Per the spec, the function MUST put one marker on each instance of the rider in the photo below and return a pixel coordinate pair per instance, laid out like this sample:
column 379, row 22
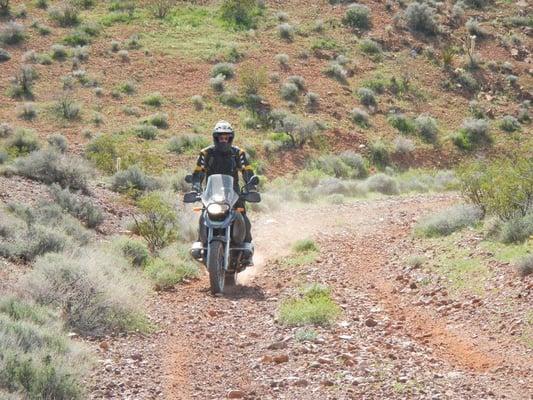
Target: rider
column 223, row 158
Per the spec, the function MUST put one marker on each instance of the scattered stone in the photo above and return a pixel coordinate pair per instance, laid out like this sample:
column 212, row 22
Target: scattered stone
column 281, row 358
column 235, row 394
column 370, row 322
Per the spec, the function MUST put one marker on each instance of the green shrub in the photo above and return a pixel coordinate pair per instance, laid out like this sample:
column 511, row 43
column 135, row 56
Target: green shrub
column 11, row 33
column 253, row 80
column 103, row 152
column 154, row 99
column 312, row 101
column 124, row 56
column 283, row 60
column 3, row 156
column 6, row 130
column 198, row 102
column 135, row 251
column 92, row 288
column 345, row 165
column 59, row 52
column 27, row 111
column 65, row 15
column 382, row 183
column 401, row 123
column 468, row 81
column 472, row 26
column 314, row 307
column 240, row 13
column 379, row 153
column 402, row 145
column 59, row 142
column 167, row 272
column 286, row 31
column 50, row 166
column 304, row 246
column 144, row 131
column 480, row 4
column 509, row 124
column 517, row 229
column 67, row 108
column 360, row 117
column 157, row 222
column 22, row 83
column 289, row 91
column 427, row 128
column 217, row 83
column 357, row 16
column 127, row 87
column 524, row 266
column 133, row 181
column 448, row 221
column 337, row 71
column 367, row 97
column 369, row 46
column 133, row 42
column 420, row 17
column 159, row 120
column 78, row 206
column 4, row 55
column 185, row 143
column 24, row 141
column 473, row 132
column 227, row 70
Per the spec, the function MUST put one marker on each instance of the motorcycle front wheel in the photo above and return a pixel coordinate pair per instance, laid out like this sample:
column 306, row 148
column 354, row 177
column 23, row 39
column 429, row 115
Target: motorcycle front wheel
column 215, row 267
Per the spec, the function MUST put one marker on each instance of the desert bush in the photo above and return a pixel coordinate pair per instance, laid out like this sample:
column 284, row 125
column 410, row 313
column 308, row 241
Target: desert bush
column 227, row 70
column 509, row 124
column 102, row 150
column 22, row 83
column 133, row 42
column 312, row 101
column 286, row 31
column 403, row 145
column 77, row 206
column 231, row 98
column 6, row 130
column 298, row 80
column 161, row 8
column 3, row 156
column 156, row 222
column 427, row 128
column 283, row 60
column 217, row 83
column 337, row 71
column 67, row 108
column 304, row 246
column 253, row 79
column 402, row 123
column 27, row 111
column 357, row 16
column 58, row 142
column 240, row 13
column 93, row 289
column 468, row 81
column 127, row 87
column 23, row 141
column 298, row 129
column 44, row 59
column 379, row 153
column 65, row 14
column 360, row 117
column 124, row 55
column 172, row 266
column 4, row 55
column 480, row 4
column 345, row 165
column 11, row 33
column 448, row 221
column 503, row 187
column 159, row 120
column 59, row 52
column 473, row 132
column 30, row 57
column 133, row 181
column 289, row 91
column 145, row 131
column 524, row 266
column 185, row 143
column 516, row 230
column 154, row 99
column 369, row 46
column 472, row 26
column 198, row 102
column 115, row 46
column 135, row 251
column 382, row 183
column 314, row 307
column 367, row 97
column 50, row 166
column 420, row 17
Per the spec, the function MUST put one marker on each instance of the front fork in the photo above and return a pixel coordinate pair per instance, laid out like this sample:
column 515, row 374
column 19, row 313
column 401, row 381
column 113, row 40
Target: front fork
column 226, row 239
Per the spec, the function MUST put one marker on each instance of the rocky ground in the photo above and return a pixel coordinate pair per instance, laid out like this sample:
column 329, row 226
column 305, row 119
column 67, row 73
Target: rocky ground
column 395, row 338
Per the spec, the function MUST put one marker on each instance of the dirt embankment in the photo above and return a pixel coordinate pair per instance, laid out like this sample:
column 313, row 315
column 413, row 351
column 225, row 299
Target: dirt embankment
column 384, row 345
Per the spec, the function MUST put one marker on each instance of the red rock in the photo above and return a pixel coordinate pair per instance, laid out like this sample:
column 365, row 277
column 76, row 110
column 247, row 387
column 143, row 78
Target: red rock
column 104, row 345
column 235, row 394
column 281, row 358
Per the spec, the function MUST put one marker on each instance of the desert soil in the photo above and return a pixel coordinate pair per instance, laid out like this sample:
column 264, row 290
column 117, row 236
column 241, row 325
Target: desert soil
column 396, row 337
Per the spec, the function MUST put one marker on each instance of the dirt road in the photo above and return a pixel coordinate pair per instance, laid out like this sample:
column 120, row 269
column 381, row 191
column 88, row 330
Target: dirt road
column 384, row 345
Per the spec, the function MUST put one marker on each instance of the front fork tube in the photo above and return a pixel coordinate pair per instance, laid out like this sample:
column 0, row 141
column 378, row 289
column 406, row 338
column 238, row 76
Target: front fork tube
column 227, row 243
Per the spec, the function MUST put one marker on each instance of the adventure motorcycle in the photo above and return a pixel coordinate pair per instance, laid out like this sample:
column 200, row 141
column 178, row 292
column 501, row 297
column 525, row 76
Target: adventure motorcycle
column 222, row 229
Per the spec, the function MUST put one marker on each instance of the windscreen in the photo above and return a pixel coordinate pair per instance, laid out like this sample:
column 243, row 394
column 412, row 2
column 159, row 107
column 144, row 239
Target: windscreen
column 219, row 189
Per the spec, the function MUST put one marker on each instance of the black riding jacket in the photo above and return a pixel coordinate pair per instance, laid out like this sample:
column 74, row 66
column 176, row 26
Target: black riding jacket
column 212, row 161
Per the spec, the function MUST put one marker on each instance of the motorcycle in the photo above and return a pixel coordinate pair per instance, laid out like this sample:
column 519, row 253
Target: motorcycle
column 222, row 229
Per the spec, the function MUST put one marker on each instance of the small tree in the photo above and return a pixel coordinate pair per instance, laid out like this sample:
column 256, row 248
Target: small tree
column 240, row 12
column 157, row 223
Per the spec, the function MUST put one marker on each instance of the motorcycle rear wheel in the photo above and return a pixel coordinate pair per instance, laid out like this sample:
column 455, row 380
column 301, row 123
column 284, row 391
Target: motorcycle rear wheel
column 215, row 266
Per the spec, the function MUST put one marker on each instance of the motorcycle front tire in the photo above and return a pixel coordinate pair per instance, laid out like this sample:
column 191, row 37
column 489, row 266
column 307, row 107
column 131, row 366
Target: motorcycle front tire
column 215, row 267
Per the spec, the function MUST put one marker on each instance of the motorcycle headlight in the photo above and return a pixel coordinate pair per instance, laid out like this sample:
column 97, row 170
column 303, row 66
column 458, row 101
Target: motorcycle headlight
column 217, row 209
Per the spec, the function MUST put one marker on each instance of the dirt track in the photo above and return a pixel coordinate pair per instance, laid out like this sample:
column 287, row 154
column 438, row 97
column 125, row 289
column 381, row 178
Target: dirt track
column 384, row 345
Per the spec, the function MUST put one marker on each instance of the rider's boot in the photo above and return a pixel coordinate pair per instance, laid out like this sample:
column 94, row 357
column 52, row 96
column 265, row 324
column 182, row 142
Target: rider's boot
column 248, row 254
